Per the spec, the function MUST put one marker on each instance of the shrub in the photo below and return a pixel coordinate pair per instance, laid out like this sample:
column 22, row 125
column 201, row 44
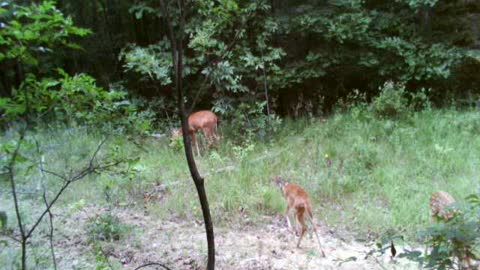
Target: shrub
column 453, row 241
column 75, row 100
column 391, row 102
column 452, row 244
column 106, row 228
column 249, row 120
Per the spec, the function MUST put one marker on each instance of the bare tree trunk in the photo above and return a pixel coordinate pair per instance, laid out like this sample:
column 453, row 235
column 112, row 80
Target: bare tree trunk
column 177, row 52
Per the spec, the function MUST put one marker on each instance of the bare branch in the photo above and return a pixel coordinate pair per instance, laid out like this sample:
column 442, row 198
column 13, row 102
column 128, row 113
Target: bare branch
column 11, row 174
column 67, row 181
column 152, row 264
column 50, row 235
column 97, row 150
column 55, row 174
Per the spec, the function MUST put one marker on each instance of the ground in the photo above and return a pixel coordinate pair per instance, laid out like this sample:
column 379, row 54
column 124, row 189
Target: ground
column 181, row 245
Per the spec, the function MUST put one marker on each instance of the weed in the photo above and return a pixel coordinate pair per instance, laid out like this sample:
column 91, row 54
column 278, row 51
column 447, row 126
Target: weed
column 106, row 228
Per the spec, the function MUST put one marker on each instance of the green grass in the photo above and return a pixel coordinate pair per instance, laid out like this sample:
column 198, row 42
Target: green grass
column 379, row 178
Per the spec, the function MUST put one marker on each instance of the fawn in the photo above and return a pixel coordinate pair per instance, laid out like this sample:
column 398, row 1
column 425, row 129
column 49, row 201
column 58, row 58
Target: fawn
column 206, row 121
column 298, row 205
column 440, row 205
column 440, row 201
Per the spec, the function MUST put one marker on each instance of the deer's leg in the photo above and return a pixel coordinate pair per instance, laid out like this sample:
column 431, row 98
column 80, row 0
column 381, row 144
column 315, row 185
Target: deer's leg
column 301, row 219
column 287, row 212
column 215, row 135
column 310, row 215
column 208, row 135
column 194, row 142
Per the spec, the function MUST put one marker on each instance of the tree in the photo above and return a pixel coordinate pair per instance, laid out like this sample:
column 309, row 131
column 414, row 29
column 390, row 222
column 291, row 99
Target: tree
column 176, row 42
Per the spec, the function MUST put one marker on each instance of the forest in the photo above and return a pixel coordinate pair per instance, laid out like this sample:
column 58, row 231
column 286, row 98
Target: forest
column 368, row 110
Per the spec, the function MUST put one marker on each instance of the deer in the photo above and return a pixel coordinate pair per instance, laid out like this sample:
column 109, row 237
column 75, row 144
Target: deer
column 441, row 203
column 207, row 122
column 298, row 205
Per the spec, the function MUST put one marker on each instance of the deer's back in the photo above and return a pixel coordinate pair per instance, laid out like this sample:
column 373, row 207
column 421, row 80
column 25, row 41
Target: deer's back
column 439, row 201
column 296, row 195
column 202, row 119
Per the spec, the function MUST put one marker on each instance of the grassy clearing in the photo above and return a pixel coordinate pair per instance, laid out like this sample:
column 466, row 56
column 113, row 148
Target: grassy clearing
column 364, row 174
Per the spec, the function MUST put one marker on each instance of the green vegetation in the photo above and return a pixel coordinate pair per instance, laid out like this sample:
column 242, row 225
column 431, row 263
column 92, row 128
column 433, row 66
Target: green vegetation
column 361, row 102
column 455, row 242
column 364, row 173
column 105, row 228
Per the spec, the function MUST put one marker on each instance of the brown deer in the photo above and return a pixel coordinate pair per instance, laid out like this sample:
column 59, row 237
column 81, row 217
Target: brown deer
column 298, row 205
column 440, row 203
column 206, row 121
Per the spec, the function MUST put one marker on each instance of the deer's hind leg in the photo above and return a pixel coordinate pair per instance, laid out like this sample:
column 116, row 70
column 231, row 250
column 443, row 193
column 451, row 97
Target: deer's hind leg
column 301, row 220
column 287, row 214
column 195, row 142
column 208, row 135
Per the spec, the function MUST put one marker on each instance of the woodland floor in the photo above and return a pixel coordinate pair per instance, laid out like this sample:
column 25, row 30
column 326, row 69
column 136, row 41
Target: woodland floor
column 181, row 245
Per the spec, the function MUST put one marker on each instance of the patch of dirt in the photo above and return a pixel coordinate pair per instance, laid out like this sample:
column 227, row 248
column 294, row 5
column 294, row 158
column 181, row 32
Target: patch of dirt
column 182, row 245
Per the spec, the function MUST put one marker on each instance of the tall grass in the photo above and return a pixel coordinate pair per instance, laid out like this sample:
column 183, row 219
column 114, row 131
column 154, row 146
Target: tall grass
column 363, row 173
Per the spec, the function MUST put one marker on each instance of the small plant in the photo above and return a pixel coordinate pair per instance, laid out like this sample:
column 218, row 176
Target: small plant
column 3, row 220
column 249, row 120
column 106, row 228
column 391, row 101
column 176, row 143
column 455, row 243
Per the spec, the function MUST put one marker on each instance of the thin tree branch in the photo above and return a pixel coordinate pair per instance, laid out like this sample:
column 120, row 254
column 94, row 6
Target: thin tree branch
column 12, row 182
column 50, row 215
column 49, row 205
column 50, row 235
column 91, row 168
column 152, row 264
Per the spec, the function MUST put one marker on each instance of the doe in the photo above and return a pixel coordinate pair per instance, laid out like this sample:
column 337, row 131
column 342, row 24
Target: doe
column 207, row 122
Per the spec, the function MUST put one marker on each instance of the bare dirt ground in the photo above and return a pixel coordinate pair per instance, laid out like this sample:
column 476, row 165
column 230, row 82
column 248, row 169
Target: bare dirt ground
column 182, row 245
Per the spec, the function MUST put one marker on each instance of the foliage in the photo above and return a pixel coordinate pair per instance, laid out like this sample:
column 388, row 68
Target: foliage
column 452, row 241
column 35, row 30
column 320, row 51
column 223, row 60
column 391, row 101
column 249, row 121
column 176, row 143
column 152, row 61
column 3, row 220
column 106, row 228
column 74, row 99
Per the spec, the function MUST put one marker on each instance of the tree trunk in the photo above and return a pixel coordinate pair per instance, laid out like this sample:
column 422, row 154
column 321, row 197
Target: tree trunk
column 177, row 52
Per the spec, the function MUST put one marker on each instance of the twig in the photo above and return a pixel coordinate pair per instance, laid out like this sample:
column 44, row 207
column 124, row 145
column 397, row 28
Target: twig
column 91, row 168
column 50, row 235
column 151, row 264
column 50, row 215
column 11, row 164
column 97, row 150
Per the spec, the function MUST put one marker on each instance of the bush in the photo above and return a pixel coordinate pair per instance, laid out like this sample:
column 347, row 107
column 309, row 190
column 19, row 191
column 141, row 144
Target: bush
column 106, row 228
column 456, row 239
column 75, row 100
column 452, row 244
column 250, row 121
column 391, row 102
